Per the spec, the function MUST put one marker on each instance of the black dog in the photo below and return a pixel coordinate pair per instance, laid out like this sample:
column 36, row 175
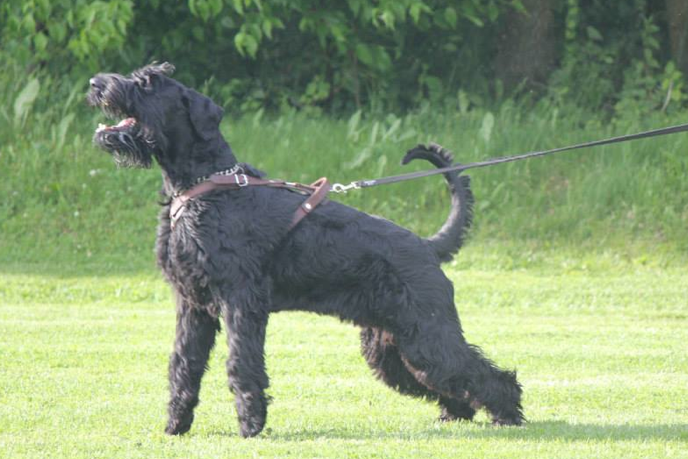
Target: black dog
column 233, row 255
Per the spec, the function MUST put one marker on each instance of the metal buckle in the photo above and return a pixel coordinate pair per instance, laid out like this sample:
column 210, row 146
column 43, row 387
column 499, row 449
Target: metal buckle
column 241, row 183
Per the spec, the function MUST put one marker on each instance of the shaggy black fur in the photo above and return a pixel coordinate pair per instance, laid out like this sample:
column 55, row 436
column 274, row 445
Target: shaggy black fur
column 232, row 257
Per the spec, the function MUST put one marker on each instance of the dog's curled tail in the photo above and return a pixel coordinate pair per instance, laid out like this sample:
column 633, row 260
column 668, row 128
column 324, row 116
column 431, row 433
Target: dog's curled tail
column 449, row 239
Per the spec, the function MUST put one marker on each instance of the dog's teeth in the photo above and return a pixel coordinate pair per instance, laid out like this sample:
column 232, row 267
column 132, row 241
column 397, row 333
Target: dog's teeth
column 101, row 127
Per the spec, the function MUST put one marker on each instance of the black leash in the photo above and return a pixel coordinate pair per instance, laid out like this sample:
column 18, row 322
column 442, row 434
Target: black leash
column 339, row 188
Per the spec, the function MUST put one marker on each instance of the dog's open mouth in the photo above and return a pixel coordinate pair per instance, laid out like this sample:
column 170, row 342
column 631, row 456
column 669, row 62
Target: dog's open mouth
column 123, row 125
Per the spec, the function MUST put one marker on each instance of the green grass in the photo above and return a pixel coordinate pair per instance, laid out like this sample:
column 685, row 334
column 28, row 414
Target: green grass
column 601, row 354
column 575, row 274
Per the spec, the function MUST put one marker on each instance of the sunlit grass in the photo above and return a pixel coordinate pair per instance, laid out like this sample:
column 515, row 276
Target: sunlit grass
column 601, row 355
column 575, row 275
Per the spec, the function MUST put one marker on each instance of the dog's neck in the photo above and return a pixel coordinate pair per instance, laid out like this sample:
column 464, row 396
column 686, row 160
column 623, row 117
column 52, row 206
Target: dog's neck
column 182, row 165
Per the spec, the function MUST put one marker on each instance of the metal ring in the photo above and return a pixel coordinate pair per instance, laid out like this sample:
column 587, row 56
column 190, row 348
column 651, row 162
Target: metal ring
column 243, row 182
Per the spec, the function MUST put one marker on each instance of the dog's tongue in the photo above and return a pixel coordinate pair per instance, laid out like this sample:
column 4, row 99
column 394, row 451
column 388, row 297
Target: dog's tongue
column 124, row 124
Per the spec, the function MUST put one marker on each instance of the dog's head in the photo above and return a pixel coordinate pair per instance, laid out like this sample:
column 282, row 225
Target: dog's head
column 156, row 114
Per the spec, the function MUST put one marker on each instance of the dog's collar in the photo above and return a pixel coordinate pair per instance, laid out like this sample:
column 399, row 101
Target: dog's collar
column 236, row 169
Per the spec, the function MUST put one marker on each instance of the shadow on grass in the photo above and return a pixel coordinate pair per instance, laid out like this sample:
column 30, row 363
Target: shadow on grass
column 549, row 430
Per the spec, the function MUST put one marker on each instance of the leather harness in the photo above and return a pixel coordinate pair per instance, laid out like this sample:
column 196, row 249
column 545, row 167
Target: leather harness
column 316, row 192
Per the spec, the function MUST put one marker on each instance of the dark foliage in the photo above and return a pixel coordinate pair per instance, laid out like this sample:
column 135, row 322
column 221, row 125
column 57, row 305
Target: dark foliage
column 389, row 54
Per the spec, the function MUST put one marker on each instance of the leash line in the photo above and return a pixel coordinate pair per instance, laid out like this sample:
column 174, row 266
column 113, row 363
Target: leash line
column 340, row 188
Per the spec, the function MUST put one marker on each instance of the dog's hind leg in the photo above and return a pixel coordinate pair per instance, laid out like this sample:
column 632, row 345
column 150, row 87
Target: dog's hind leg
column 497, row 390
column 438, row 356
column 195, row 338
column 382, row 355
column 246, row 365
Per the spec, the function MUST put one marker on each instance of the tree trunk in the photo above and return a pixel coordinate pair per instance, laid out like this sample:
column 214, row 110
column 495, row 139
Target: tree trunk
column 677, row 18
column 526, row 45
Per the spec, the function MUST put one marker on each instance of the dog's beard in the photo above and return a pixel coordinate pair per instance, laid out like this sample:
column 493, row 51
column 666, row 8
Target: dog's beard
column 125, row 141
column 128, row 147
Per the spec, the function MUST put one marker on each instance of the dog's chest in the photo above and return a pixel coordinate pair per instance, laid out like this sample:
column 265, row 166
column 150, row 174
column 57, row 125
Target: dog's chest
column 184, row 263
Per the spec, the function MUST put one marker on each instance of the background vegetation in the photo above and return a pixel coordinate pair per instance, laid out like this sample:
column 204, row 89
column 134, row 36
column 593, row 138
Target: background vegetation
column 384, row 54
column 575, row 273
column 343, row 90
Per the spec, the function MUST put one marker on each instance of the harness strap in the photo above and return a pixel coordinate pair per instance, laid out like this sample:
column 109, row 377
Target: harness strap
column 320, row 189
column 317, row 193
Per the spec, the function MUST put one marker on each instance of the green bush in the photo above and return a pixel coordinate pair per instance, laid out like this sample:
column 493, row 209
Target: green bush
column 373, row 54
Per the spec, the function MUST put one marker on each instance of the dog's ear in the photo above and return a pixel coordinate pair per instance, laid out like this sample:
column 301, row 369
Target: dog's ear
column 144, row 76
column 205, row 115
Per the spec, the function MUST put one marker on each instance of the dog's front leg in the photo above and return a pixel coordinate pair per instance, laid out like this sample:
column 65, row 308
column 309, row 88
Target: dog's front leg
column 246, row 323
column 195, row 338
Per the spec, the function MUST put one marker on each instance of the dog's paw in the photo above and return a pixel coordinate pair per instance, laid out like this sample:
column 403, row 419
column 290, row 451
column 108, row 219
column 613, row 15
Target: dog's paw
column 499, row 422
column 457, row 410
column 448, row 416
column 251, row 428
column 179, row 426
column 252, row 408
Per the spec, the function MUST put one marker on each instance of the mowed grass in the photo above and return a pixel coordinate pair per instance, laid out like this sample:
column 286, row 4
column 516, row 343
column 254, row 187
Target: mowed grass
column 601, row 354
column 576, row 276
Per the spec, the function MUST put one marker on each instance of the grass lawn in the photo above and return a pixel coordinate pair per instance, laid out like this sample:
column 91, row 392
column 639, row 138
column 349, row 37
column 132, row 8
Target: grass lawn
column 601, row 354
column 584, row 291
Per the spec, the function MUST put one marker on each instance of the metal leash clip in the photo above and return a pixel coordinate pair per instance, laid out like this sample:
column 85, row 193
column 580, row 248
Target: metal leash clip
column 339, row 188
